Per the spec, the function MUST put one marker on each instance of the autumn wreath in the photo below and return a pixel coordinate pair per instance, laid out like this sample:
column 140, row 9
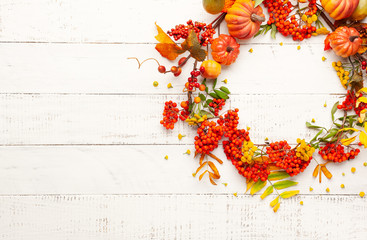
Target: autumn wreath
column 270, row 163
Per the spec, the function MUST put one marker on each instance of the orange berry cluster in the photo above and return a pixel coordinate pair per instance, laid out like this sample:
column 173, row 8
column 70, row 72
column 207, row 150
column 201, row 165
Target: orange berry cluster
column 335, row 152
column 229, row 122
column 286, row 158
column 184, row 114
column 170, row 114
column 182, row 31
column 279, row 11
column 209, row 134
column 217, row 105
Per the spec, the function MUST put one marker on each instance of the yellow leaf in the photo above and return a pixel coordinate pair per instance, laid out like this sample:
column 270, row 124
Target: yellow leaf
column 363, row 139
column 288, row 194
column 348, row 141
column 267, row 192
column 275, row 209
column 348, row 129
column 278, row 175
column 362, row 99
column 362, row 90
column 257, row 187
column 166, row 46
column 365, row 127
column 249, row 184
column 274, row 202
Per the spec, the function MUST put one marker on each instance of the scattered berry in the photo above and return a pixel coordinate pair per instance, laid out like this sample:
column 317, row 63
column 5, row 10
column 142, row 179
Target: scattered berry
column 353, row 169
column 327, row 190
column 301, row 202
column 161, row 69
column 166, row 157
column 361, row 194
column 155, row 84
column 342, row 186
column 169, row 85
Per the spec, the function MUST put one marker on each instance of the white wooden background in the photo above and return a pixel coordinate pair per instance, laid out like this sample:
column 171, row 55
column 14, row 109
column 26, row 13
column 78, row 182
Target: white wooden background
column 81, row 147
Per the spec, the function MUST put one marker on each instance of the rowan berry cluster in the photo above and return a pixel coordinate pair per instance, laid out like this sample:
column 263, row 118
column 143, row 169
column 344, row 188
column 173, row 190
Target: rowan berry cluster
column 350, row 103
column 304, row 151
column 279, row 11
column 335, row 152
column 192, row 81
column 363, row 65
column 229, row 122
column 170, row 115
column 182, row 31
column 248, row 151
column 217, row 105
column 341, row 72
column 209, row 134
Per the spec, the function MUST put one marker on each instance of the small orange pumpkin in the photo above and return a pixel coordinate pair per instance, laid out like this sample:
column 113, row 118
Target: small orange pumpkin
column 243, row 20
column 344, row 41
column 339, row 9
column 225, row 49
column 212, row 69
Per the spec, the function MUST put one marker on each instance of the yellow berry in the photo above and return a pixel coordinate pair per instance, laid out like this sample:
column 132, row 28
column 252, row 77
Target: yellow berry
column 251, row 50
column 313, row 120
column 169, row 85
column 342, row 186
column 323, row 59
column 353, row 169
column 327, row 190
column 298, row 47
column 281, row 44
column 343, row 174
column 361, row 194
column 188, row 152
column 311, row 189
column 301, row 202
column 155, row 84
column 166, row 157
column 365, row 164
column 225, row 184
column 338, row 63
column 235, row 194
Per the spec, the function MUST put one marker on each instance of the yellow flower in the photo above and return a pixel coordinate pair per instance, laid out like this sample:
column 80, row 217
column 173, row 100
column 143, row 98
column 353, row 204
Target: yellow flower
column 314, row 18
column 304, row 17
column 180, row 136
column 339, row 63
column 188, row 152
column 322, row 30
column 235, row 194
column 225, row 184
column 225, row 81
column 311, row 189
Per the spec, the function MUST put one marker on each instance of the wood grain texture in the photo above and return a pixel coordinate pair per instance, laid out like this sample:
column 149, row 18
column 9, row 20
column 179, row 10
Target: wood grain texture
column 180, row 217
column 104, row 68
column 143, row 169
column 29, row 119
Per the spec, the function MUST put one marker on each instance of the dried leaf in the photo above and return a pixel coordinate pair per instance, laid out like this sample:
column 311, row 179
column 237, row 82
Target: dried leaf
column 326, row 172
column 349, row 129
column 320, row 175
column 288, row 194
column 166, row 46
column 249, row 183
column 275, row 209
column 257, row 187
column 274, row 202
column 202, row 175
column 193, row 46
column 316, row 171
column 267, row 192
column 363, row 48
column 201, row 166
column 278, row 175
column 214, row 168
column 202, row 158
column 363, row 139
column 212, row 175
column 347, row 141
column 212, row 181
column 215, row 157
column 284, row 184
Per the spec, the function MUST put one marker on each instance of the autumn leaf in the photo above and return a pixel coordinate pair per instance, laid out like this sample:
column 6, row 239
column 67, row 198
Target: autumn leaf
column 316, row 170
column 267, row 192
column 284, row 184
column 257, row 187
column 275, row 209
column 192, row 45
column 249, row 183
column 199, row 168
column 363, row 48
column 363, row 139
column 326, row 172
column 347, row 141
column 166, row 46
column 288, row 194
column 274, row 202
column 278, row 175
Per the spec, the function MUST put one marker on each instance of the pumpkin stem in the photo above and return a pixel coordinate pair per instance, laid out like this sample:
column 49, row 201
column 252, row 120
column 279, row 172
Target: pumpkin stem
column 257, row 18
column 229, row 49
column 352, row 38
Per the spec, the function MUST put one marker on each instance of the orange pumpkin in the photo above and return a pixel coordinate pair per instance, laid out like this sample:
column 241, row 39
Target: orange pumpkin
column 243, row 20
column 225, row 49
column 212, row 69
column 339, row 9
column 344, row 41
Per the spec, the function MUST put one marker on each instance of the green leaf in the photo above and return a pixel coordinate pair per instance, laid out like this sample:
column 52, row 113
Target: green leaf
column 332, row 133
column 206, row 89
column 274, row 202
column 221, row 94
column 267, row 192
column 257, row 187
column 215, row 83
column 273, row 30
column 208, row 114
column 202, row 97
column 209, row 101
column 309, row 125
column 288, row 194
column 224, row 89
column 333, row 110
column 214, row 95
column 315, row 137
column 190, row 107
column 284, row 184
column 258, row 2
column 278, row 175
column 193, row 46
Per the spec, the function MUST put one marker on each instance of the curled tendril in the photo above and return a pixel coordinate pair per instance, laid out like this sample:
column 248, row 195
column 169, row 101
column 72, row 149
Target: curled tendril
column 141, row 63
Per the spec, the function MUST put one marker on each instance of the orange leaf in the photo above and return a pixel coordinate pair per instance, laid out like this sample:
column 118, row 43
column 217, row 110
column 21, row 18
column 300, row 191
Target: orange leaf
column 201, row 166
column 202, row 175
column 214, row 168
column 193, row 46
column 326, row 172
column 202, row 158
column 212, row 181
column 166, row 46
column 215, row 157
column 212, row 175
column 316, row 171
column 363, row 48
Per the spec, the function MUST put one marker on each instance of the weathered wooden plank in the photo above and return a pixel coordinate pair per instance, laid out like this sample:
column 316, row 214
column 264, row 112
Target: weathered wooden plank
column 66, row 68
column 28, row 119
column 100, row 21
column 143, row 169
column 180, row 217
